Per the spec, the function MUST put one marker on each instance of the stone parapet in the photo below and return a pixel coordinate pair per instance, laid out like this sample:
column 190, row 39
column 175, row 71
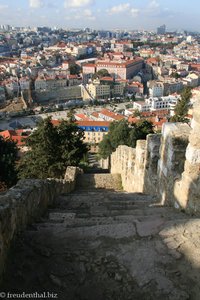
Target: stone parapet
column 139, row 166
column 155, row 164
column 172, row 157
column 151, row 164
column 25, row 203
column 123, row 162
column 129, row 163
column 187, row 189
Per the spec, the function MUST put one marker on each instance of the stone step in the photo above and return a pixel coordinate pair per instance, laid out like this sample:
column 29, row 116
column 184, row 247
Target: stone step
column 74, row 220
column 105, row 181
column 111, row 230
column 100, row 214
column 104, row 245
column 104, row 197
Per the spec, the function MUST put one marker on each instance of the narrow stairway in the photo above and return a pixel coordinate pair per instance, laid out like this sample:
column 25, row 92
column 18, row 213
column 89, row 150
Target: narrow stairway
column 101, row 243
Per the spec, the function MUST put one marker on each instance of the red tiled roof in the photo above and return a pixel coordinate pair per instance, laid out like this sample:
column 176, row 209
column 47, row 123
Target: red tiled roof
column 61, row 45
column 55, row 122
column 122, row 80
column 122, row 64
column 117, row 53
column 73, row 76
column 159, row 113
column 152, row 60
column 112, row 115
column 154, row 120
column 107, row 78
column 94, row 123
column 89, row 65
column 15, row 135
column 83, row 117
column 133, row 119
column 95, row 114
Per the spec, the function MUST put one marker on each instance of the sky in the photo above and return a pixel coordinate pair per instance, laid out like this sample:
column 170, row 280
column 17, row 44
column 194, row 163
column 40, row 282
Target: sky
column 102, row 14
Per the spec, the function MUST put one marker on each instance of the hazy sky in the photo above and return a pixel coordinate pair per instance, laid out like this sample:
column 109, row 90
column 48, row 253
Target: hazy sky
column 102, row 14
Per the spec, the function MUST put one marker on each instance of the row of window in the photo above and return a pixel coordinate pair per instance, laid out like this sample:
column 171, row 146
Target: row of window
column 94, row 133
column 94, row 140
column 94, row 129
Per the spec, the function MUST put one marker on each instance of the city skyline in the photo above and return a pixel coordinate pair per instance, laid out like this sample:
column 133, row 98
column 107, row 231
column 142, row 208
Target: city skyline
column 121, row 14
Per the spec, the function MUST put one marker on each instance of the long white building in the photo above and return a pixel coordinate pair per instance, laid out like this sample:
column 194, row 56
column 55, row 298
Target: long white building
column 155, row 103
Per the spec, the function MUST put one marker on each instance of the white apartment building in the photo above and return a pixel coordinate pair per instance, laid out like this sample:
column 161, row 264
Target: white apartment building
column 142, row 106
column 156, row 89
column 155, row 103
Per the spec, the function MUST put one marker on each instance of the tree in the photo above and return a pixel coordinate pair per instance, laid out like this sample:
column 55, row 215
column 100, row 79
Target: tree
column 182, row 106
column 101, row 73
column 121, row 133
column 8, row 158
column 175, row 75
column 136, row 113
column 105, row 147
column 133, row 97
column 70, row 115
column 74, row 69
column 52, row 149
column 142, row 129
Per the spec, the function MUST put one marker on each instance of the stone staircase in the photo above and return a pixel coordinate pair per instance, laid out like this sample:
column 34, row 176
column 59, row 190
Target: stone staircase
column 102, row 243
column 95, row 181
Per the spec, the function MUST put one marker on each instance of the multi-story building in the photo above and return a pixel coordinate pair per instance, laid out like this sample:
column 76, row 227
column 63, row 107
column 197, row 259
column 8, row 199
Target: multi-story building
column 56, row 83
column 11, row 86
column 40, row 84
column 117, row 90
column 135, row 87
column 161, row 29
column 156, row 89
column 121, row 46
column 98, row 91
column 110, row 116
column 2, row 95
column 79, row 51
column 124, row 69
column 192, row 80
column 88, row 70
column 73, row 80
column 155, row 103
column 94, row 132
column 172, row 86
column 141, row 106
column 24, row 83
column 102, row 89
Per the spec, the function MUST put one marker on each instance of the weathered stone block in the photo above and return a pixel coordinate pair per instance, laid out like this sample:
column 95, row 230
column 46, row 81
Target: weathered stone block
column 26, row 202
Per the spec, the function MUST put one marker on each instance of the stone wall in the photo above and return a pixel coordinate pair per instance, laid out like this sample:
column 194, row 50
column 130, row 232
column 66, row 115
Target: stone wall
column 187, row 189
column 25, row 203
column 155, row 164
column 67, row 93
column 123, row 162
column 151, row 164
column 172, row 157
column 129, row 163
